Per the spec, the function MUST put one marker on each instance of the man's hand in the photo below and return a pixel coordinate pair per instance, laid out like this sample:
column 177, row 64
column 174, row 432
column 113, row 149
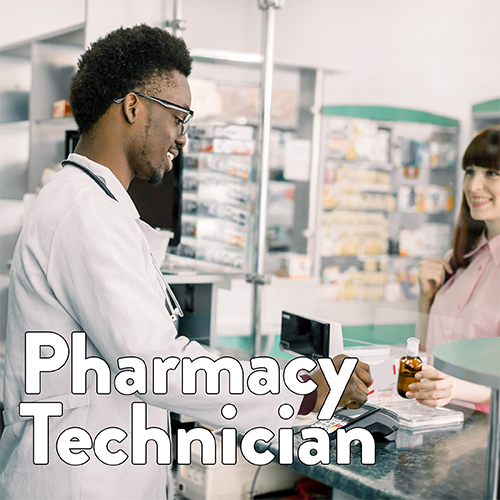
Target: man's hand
column 356, row 392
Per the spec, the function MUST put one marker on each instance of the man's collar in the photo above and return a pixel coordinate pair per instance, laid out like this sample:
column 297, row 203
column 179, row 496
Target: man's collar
column 494, row 246
column 111, row 181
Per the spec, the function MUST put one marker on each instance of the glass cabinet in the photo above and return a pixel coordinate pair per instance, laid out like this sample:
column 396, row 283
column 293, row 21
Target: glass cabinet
column 387, row 200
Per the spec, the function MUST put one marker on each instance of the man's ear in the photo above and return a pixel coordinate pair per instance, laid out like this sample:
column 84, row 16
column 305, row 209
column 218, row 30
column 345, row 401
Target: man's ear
column 130, row 107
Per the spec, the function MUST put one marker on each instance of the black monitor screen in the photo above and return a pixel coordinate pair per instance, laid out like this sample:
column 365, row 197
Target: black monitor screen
column 159, row 206
column 304, row 336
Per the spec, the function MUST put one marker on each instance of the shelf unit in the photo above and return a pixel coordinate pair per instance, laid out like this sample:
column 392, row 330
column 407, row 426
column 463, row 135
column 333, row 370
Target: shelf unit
column 225, row 87
column 50, row 63
column 15, row 86
column 216, row 201
column 33, row 75
column 387, row 200
column 485, row 114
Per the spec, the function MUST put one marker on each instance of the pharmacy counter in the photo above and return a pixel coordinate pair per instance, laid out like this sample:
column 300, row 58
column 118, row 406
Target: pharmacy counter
column 434, row 465
column 476, row 360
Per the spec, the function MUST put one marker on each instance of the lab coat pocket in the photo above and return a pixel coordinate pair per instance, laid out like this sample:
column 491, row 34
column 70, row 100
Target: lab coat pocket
column 20, row 431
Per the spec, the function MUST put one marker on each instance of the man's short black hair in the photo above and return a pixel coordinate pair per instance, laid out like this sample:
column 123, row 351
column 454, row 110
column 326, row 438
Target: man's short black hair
column 126, row 60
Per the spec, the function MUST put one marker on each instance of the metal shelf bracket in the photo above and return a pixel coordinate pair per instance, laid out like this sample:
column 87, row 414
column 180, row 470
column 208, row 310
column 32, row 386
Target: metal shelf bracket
column 265, row 4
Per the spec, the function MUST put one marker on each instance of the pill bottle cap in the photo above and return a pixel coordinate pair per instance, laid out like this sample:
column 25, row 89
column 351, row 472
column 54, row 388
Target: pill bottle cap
column 412, row 346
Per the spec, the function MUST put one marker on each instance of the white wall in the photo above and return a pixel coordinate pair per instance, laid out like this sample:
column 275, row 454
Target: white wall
column 223, row 24
column 26, row 19
column 424, row 52
column 104, row 16
column 440, row 56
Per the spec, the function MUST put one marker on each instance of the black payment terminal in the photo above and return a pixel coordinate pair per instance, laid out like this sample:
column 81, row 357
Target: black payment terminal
column 380, row 422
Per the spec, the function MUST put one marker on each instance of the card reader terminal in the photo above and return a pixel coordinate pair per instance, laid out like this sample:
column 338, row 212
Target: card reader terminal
column 380, row 422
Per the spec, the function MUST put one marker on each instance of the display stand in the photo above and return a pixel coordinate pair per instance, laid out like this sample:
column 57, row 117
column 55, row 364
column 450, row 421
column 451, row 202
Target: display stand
column 485, row 114
column 477, row 361
column 387, row 199
column 307, row 127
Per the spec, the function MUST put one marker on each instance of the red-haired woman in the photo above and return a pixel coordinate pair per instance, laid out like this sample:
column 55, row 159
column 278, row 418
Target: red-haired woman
column 467, row 305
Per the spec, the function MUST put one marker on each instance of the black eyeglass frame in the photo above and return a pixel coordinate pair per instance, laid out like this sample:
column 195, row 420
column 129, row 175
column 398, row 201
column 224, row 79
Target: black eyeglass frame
column 166, row 104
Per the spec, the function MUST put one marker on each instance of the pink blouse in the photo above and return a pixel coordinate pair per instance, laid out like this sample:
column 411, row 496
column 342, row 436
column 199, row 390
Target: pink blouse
column 468, row 305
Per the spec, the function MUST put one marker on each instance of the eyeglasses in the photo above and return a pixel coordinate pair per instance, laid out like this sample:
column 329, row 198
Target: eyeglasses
column 166, row 104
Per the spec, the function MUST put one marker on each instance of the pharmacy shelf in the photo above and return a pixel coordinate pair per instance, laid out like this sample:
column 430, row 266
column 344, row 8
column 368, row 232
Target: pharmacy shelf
column 418, row 151
column 485, row 114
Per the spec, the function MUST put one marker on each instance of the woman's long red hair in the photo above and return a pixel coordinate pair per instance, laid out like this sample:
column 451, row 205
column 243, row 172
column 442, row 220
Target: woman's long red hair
column 483, row 151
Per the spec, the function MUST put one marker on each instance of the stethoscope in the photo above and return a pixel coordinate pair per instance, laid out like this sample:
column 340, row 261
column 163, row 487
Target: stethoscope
column 174, row 310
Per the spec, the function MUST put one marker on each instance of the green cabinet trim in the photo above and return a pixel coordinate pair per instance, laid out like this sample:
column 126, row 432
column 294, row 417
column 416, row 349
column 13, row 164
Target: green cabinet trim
column 487, row 107
column 385, row 113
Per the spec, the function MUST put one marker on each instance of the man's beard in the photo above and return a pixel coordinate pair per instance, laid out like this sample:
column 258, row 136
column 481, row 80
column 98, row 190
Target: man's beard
column 155, row 178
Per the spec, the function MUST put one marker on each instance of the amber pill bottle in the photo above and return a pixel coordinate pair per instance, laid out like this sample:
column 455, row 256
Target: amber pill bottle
column 409, row 366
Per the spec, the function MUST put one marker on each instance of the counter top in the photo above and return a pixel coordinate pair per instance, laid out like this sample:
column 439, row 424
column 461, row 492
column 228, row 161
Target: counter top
column 197, row 279
column 182, row 270
column 433, row 465
column 475, row 360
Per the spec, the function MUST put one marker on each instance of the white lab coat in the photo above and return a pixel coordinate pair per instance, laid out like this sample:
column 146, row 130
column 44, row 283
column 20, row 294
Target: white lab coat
column 82, row 263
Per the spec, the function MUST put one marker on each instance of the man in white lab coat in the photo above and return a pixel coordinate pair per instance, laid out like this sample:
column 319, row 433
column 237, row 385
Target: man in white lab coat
column 83, row 263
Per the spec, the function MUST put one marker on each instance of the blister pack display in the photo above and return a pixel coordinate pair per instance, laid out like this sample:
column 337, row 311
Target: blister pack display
column 386, row 195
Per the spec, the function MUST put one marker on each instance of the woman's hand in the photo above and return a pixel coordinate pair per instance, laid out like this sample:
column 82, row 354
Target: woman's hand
column 436, row 391
column 431, row 276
